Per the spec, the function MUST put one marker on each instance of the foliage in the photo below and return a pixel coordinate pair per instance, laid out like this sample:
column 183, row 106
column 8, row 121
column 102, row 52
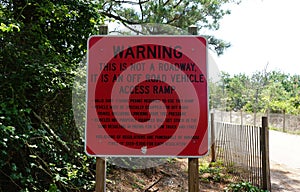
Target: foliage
column 214, row 171
column 273, row 92
column 206, row 14
column 42, row 43
column 242, row 186
column 236, row 90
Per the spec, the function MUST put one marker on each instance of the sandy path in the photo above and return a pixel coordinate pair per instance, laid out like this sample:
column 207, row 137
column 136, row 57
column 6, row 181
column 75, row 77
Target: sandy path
column 285, row 162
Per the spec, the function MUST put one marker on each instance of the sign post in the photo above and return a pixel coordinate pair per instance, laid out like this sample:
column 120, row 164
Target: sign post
column 193, row 163
column 101, row 162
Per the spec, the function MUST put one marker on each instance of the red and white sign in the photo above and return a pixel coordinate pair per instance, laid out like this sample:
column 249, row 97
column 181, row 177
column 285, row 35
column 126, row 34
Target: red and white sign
column 147, row 96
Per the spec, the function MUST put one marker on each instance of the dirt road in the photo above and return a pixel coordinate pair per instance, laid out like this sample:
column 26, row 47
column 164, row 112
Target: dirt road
column 285, row 162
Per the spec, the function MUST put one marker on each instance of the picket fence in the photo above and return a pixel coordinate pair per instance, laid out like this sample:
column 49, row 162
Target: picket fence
column 244, row 149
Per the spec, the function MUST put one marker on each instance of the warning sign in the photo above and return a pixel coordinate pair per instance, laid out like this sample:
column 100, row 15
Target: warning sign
column 147, row 96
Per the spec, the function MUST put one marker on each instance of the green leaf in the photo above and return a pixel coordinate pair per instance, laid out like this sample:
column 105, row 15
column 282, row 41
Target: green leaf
column 33, row 156
column 53, row 188
column 14, row 167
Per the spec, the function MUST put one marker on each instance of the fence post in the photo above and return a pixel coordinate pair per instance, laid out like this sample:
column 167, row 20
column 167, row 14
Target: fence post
column 254, row 118
column 213, row 146
column 100, row 162
column 284, row 121
column 242, row 118
column 264, row 147
column 193, row 163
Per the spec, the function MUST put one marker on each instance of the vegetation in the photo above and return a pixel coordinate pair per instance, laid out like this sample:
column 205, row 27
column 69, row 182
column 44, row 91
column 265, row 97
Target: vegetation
column 217, row 172
column 214, row 171
column 42, row 43
column 273, row 92
column 179, row 13
column 242, row 186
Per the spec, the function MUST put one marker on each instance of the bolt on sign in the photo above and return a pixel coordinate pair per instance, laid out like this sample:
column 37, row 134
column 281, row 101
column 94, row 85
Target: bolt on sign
column 147, row 96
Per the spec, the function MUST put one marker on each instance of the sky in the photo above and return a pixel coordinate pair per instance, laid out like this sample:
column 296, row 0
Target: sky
column 263, row 34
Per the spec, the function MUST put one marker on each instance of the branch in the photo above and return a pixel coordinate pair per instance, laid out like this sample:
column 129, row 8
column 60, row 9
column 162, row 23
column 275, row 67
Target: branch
column 141, row 8
column 11, row 179
column 52, row 100
column 119, row 18
column 50, row 131
column 147, row 189
column 132, row 2
column 134, row 30
column 166, row 2
column 177, row 4
column 176, row 17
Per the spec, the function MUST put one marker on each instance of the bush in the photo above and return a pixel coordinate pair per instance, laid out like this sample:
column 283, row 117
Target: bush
column 242, row 187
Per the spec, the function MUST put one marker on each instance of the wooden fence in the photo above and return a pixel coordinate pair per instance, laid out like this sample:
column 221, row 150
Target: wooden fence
column 244, row 149
column 282, row 122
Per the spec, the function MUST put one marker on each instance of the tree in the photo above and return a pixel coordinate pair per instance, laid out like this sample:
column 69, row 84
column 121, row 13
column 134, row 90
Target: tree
column 273, row 91
column 294, row 99
column 42, row 43
column 206, row 14
column 274, row 98
column 237, row 91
